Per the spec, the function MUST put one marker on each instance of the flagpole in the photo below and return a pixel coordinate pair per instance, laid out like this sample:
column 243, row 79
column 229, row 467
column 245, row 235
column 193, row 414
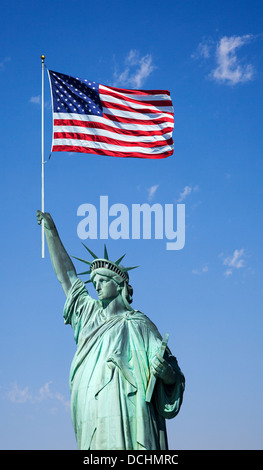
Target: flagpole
column 42, row 163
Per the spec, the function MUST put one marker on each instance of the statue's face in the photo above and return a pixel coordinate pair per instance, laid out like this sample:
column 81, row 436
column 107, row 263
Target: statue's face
column 105, row 286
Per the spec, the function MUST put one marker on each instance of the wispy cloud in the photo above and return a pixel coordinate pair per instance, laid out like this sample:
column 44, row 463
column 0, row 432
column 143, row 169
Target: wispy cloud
column 203, row 50
column 202, row 270
column 151, row 191
column 136, row 70
column 3, row 63
column 235, row 261
column 23, row 395
column 35, row 99
column 230, row 68
column 186, row 192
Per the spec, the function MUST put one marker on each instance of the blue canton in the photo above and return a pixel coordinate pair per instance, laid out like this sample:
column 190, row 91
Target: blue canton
column 74, row 95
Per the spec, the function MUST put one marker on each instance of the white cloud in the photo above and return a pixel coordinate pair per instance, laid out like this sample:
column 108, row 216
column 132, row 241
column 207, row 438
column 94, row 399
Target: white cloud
column 22, row 395
column 3, row 63
column 203, row 50
column 235, row 261
column 204, row 269
column 187, row 190
column 229, row 69
column 35, row 99
column 18, row 395
column 151, row 191
column 136, row 70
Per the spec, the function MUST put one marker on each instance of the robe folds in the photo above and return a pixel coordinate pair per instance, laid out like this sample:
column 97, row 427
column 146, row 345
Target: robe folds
column 109, row 375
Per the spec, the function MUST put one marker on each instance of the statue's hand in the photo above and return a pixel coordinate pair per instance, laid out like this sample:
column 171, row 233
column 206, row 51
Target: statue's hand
column 48, row 221
column 163, row 370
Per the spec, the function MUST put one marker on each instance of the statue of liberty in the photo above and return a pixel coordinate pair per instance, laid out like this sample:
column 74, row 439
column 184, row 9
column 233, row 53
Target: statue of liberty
column 118, row 351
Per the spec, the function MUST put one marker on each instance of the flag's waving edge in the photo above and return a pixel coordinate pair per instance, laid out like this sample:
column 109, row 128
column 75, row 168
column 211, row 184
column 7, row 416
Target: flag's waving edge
column 92, row 118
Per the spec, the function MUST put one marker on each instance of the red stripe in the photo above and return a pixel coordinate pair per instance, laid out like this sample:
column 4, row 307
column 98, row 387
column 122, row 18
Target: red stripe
column 108, row 140
column 130, row 100
column 122, row 107
column 151, row 122
column 98, row 125
column 140, row 92
column 70, row 148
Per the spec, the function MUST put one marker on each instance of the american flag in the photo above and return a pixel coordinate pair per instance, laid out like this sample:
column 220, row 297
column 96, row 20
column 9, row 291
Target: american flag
column 102, row 120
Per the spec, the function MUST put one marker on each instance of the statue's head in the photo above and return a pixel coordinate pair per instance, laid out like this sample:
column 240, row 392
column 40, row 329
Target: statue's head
column 109, row 278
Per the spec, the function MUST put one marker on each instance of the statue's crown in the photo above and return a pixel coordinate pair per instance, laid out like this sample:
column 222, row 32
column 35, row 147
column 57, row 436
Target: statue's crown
column 105, row 263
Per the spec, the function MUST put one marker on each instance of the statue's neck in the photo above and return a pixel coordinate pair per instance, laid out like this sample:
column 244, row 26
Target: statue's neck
column 113, row 306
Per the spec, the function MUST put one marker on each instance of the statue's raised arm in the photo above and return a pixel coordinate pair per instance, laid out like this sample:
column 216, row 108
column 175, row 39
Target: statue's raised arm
column 62, row 264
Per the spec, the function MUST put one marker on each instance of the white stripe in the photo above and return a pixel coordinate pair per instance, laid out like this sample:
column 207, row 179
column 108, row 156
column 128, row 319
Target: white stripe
column 114, row 124
column 139, row 116
column 149, row 97
column 105, row 146
column 112, row 99
column 113, row 135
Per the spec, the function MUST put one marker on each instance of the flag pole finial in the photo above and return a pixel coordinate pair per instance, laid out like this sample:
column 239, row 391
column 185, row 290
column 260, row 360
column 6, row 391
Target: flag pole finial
column 42, row 57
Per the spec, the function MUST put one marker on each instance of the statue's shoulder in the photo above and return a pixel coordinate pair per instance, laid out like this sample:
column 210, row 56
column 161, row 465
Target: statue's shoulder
column 144, row 321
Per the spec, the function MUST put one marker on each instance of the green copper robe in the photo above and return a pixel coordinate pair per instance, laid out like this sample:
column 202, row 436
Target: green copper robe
column 109, row 376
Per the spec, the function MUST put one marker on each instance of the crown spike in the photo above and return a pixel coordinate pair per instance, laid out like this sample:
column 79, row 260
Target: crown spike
column 106, row 256
column 119, row 260
column 85, row 272
column 91, row 252
column 129, row 269
column 80, row 259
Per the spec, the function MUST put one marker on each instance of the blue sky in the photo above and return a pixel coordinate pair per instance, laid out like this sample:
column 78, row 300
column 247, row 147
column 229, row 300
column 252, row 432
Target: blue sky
column 208, row 295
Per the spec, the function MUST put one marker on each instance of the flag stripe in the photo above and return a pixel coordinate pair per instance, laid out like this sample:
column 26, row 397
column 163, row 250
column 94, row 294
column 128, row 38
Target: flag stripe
column 61, row 118
column 119, row 136
column 157, row 100
column 120, row 116
column 105, row 146
column 94, row 118
column 137, row 92
column 135, row 108
column 120, row 153
column 109, row 140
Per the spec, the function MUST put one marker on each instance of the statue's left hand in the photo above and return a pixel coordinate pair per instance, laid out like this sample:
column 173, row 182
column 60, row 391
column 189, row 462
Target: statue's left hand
column 163, row 370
